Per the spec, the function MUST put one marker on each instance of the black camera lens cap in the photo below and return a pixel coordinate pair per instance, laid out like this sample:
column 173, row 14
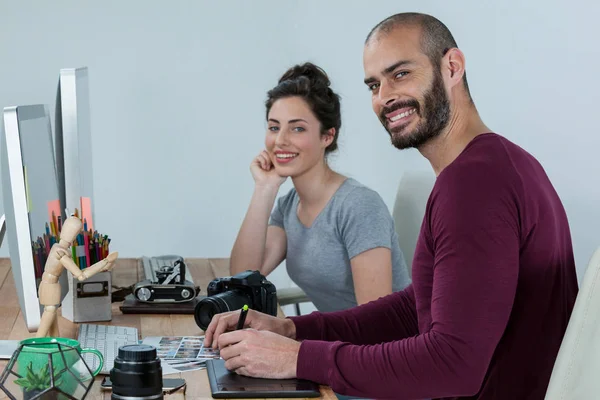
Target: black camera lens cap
column 137, row 352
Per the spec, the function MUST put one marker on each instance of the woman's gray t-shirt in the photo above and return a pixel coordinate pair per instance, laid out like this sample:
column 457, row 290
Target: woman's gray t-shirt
column 318, row 258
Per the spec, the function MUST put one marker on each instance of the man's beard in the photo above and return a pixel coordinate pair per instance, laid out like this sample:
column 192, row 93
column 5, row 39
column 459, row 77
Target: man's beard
column 434, row 117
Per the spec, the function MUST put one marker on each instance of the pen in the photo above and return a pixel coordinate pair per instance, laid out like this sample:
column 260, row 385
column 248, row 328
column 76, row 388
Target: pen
column 242, row 319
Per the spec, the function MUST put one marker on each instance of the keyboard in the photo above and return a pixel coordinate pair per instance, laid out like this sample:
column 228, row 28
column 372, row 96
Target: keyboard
column 106, row 339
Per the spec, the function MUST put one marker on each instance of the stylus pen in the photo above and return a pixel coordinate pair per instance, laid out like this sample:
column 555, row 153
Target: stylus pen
column 242, row 319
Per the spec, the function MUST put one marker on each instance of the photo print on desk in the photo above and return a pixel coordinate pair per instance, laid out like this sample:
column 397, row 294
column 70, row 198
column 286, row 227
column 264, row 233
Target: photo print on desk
column 181, row 348
column 176, row 366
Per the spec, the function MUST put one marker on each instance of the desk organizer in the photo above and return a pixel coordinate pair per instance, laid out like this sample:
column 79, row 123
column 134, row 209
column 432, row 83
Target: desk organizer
column 90, row 300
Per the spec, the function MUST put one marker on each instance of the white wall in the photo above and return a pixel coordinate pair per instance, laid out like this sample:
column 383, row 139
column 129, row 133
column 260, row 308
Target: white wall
column 177, row 92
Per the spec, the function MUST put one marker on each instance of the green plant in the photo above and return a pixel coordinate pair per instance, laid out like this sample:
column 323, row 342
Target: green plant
column 36, row 381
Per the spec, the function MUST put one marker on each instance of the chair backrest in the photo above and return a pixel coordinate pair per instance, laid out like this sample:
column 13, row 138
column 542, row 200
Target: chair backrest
column 409, row 208
column 576, row 372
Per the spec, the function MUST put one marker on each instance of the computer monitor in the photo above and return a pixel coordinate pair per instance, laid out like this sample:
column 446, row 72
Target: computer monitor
column 31, row 201
column 73, row 143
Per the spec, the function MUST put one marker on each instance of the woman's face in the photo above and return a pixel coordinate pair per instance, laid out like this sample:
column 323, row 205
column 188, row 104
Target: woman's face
column 294, row 141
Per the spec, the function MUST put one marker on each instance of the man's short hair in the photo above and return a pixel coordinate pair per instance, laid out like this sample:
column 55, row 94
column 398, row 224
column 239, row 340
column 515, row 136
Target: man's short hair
column 436, row 38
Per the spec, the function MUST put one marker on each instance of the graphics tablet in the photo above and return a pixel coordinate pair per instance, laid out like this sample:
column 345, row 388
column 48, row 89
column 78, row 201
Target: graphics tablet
column 225, row 384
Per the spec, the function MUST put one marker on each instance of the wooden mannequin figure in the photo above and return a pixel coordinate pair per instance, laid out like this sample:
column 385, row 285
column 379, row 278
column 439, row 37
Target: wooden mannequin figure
column 59, row 258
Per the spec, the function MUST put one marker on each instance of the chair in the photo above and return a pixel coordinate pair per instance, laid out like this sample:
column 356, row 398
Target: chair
column 409, row 208
column 576, row 372
column 293, row 295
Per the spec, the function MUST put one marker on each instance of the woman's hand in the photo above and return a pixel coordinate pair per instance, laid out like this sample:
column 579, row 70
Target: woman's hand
column 263, row 171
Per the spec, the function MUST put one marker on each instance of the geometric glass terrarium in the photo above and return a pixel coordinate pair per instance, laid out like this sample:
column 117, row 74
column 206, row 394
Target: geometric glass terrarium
column 47, row 369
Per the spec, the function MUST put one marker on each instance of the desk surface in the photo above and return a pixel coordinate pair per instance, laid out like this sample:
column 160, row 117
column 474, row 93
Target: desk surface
column 126, row 272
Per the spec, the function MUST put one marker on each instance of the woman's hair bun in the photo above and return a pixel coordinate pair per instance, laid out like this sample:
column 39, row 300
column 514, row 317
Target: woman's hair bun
column 315, row 75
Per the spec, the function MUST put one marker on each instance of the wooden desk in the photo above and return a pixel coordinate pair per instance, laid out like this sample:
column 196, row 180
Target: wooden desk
column 126, row 272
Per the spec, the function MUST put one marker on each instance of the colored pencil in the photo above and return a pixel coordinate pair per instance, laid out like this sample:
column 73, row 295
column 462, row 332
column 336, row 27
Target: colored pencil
column 36, row 260
column 74, row 254
column 55, row 222
column 42, row 263
column 86, row 243
column 82, row 262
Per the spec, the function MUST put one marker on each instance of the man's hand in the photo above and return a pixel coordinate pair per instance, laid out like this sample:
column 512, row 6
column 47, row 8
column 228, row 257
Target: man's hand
column 225, row 322
column 260, row 354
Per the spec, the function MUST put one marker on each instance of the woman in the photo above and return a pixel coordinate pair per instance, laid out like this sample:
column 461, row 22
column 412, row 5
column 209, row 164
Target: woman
column 336, row 235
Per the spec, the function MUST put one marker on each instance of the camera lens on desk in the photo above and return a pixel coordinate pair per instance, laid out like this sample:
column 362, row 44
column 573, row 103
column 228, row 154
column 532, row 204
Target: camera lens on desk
column 231, row 293
column 137, row 374
column 219, row 303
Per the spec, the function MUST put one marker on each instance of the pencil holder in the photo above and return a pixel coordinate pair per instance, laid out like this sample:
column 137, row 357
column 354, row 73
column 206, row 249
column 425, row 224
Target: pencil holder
column 89, row 300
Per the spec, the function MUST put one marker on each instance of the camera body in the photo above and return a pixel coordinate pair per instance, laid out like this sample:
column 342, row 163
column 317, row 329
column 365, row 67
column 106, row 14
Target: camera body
column 170, row 284
column 233, row 292
column 262, row 292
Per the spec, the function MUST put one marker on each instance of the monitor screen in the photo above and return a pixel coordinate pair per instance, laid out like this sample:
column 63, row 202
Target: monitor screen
column 31, row 201
column 41, row 185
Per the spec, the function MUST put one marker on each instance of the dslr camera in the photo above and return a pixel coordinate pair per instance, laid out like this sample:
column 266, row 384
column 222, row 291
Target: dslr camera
column 232, row 293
